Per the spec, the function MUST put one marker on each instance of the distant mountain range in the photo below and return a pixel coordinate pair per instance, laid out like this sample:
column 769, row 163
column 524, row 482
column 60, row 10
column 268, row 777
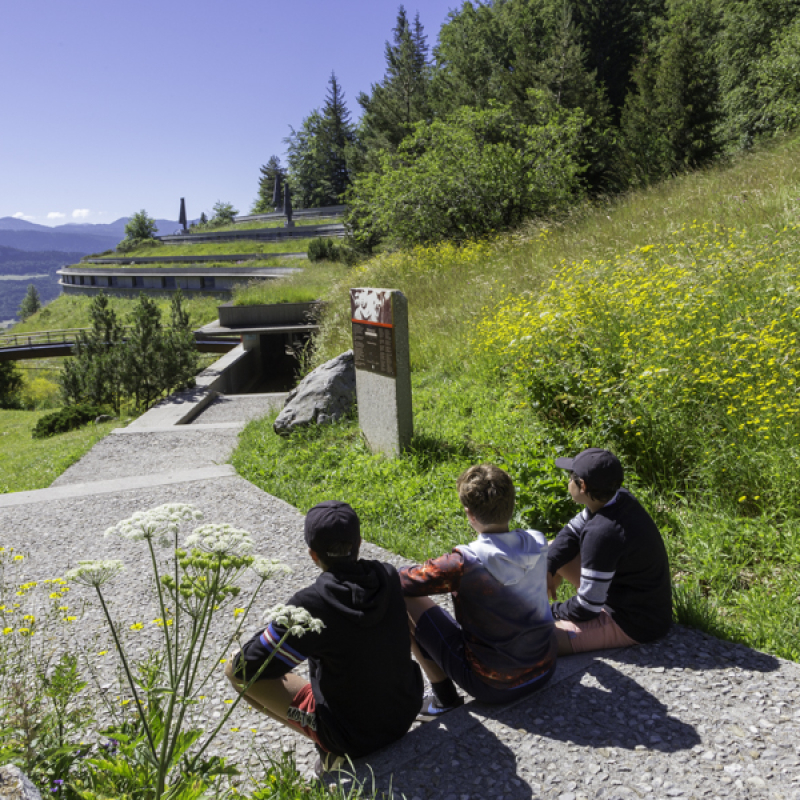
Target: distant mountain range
column 19, row 268
column 70, row 238
column 31, row 253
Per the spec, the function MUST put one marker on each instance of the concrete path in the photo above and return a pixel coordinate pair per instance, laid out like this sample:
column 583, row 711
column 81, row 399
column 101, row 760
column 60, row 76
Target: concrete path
column 688, row 717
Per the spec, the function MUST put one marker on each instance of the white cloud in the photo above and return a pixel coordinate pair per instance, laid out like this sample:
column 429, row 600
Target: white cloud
column 20, row 215
column 55, row 215
column 80, row 213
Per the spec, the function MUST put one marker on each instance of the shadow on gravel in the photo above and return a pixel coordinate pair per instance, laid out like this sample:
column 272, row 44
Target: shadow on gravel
column 606, row 709
column 695, row 650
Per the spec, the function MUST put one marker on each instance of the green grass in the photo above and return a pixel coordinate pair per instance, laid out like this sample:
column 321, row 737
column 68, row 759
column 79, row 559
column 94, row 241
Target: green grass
column 172, row 265
column 246, row 246
column 492, row 384
column 27, row 463
column 298, row 221
column 72, row 311
column 300, row 287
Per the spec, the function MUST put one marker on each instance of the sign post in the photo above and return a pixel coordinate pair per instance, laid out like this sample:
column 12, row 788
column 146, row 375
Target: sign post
column 379, row 320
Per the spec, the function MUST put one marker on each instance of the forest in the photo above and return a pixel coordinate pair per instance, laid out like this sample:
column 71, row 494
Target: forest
column 526, row 108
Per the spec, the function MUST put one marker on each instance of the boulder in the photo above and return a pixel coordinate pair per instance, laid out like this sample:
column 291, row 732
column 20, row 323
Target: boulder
column 15, row 785
column 323, row 396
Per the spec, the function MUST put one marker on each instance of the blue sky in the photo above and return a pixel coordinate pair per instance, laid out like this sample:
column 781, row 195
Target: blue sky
column 109, row 107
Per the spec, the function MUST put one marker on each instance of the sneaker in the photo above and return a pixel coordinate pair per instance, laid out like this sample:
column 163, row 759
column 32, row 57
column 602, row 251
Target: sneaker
column 433, row 709
column 327, row 762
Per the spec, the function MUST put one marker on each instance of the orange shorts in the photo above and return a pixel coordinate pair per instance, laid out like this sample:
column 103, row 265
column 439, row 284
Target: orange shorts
column 600, row 633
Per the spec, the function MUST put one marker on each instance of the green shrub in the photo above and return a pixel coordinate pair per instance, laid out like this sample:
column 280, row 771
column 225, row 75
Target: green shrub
column 323, row 250
column 66, row 419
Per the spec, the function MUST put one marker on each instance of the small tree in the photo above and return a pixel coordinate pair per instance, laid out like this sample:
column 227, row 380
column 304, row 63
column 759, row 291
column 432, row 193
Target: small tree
column 10, row 384
column 143, row 370
column 94, row 373
column 140, row 226
column 30, row 304
column 180, row 350
column 223, row 213
column 266, row 200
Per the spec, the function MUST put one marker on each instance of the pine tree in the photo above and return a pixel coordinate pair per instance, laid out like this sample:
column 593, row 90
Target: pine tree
column 402, row 98
column 669, row 122
column 265, row 202
column 318, row 152
column 30, row 304
column 94, row 373
column 613, row 37
column 143, row 376
column 180, row 350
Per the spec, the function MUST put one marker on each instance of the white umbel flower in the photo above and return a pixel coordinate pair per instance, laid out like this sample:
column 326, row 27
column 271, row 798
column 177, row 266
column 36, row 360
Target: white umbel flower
column 295, row 619
column 220, row 540
column 267, row 568
column 160, row 524
column 94, row 573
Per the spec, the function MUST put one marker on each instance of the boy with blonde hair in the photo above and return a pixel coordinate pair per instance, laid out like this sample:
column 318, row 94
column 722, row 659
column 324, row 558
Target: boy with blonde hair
column 501, row 644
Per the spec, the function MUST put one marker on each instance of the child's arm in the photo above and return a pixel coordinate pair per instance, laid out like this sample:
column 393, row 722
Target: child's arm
column 600, row 552
column 567, row 543
column 260, row 647
column 436, row 576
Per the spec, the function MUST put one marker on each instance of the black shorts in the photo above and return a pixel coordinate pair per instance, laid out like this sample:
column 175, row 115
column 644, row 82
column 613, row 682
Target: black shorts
column 442, row 640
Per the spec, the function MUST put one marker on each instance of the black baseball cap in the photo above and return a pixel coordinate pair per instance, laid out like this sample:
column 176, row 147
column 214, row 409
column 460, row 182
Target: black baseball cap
column 600, row 469
column 332, row 523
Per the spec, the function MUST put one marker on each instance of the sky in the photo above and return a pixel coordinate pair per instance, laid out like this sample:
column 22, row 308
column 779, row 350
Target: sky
column 111, row 107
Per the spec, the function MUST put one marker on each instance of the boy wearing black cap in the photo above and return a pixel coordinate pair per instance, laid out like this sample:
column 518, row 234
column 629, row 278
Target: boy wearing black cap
column 365, row 689
column 613, row 554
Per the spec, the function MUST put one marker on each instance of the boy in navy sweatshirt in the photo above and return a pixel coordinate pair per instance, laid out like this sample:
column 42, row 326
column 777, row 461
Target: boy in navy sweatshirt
column 365, row 689
column 613, row 554
column 501, row 645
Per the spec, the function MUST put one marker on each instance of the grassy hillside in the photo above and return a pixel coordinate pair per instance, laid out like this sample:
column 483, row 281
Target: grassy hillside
column 72, row 311
column 663, row 325
column 220, row 248
column 28, row 463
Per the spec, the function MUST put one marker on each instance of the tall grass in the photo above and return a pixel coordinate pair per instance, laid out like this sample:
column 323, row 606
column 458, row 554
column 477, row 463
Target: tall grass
column 662, row 325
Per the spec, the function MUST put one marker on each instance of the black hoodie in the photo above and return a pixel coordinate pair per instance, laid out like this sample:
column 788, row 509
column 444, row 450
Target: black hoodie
column 367, row 688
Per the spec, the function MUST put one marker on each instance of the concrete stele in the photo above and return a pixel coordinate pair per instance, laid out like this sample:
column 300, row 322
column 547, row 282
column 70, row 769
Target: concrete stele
column 383, row 372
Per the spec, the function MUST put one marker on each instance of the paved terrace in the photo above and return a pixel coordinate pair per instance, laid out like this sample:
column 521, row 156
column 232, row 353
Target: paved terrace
column 687, row 717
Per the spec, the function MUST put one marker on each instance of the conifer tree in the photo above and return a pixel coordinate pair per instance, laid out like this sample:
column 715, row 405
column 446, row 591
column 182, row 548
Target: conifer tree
column 669, row 121
column 265, row 202
column 402, row 98
column 143, row 363
column 30, row 304
column 318, row 152
column 94, row 373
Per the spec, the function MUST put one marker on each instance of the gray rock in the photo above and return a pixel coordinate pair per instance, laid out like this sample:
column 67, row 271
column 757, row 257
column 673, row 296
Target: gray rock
column 323, row 396
column 14, row 785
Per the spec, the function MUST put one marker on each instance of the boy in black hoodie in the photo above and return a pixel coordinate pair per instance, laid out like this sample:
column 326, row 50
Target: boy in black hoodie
column 365, row 689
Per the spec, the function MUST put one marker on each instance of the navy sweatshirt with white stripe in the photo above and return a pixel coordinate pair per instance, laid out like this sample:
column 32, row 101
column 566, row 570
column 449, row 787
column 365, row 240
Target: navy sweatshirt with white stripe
column 624, row 568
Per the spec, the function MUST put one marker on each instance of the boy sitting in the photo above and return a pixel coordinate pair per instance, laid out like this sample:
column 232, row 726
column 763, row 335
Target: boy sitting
column 613, row 554
column 365, row 689
column 502, row 644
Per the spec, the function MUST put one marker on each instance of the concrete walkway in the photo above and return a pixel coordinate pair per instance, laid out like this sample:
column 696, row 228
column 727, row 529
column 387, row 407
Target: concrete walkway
column 688, row 717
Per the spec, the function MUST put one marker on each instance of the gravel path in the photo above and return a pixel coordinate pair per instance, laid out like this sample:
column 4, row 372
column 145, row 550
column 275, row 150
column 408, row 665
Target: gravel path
column 130, row 454
column 239, row 408
column 689, row 716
